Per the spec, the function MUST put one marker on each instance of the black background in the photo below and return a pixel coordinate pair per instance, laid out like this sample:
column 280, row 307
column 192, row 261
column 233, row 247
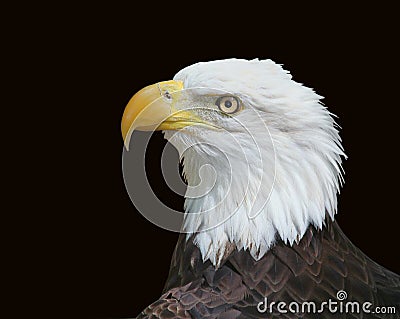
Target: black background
column 103, row 259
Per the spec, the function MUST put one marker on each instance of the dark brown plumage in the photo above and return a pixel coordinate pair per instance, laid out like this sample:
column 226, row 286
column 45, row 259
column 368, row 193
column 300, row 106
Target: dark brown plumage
column 323, row 263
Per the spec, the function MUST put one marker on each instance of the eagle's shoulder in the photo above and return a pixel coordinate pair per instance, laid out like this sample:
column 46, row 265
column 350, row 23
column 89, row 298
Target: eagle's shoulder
column 210, row 297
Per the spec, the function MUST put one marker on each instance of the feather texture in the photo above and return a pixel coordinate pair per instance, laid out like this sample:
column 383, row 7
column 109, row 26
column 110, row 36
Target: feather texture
column 324, row 262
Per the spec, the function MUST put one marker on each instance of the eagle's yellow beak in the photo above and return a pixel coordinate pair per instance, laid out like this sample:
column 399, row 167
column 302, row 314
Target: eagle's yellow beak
column 153, row 108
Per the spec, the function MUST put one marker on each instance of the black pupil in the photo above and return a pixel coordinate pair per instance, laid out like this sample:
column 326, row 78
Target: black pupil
column 228, row 104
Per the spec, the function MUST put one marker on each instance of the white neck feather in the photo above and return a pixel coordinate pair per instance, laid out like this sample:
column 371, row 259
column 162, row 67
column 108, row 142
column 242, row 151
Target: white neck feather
column 298, row 192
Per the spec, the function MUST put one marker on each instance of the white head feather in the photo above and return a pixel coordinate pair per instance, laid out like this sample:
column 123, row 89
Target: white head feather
column 271, row 181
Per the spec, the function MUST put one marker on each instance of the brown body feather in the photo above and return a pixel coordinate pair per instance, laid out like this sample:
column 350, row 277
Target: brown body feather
column 315, row 269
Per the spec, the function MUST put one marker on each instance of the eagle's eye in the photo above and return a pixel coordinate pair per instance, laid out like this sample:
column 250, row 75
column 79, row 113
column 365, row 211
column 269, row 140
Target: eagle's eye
column 228, row 104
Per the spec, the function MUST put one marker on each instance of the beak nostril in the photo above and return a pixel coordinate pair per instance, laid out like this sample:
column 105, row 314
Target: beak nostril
column 168, row 95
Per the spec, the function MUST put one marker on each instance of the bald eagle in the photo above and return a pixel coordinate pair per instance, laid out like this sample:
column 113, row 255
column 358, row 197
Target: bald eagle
column 262, row 159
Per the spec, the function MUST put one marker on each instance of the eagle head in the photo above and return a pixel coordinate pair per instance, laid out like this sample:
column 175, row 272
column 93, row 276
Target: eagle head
column 261, row 154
